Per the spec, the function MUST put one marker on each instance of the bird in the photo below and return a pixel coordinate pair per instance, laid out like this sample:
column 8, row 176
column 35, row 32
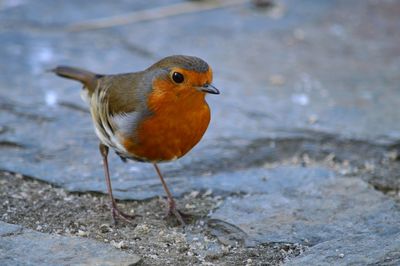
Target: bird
column 155, row 115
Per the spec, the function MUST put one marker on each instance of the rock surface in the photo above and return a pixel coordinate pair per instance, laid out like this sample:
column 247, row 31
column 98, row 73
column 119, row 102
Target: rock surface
column 19, row 246
column 304, row 139
column 333, row 215
column 301, row 66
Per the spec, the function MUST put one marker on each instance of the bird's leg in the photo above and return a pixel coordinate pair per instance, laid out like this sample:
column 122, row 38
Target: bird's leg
column 171, row 202
column 114, row 209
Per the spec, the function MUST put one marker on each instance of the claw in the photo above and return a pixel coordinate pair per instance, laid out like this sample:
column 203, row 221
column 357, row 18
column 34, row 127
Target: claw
column 180, row 216
column 117, row 213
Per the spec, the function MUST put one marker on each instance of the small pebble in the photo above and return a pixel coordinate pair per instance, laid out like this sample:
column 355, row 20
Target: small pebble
column 18, row 175
column 370, row 167
column 142, row 229
column 105, row 228
column 190, row 206
column 120, row 245
column 207, row 193
column 194, row 194
column 392, row 155
column 248, row 262
column 82, row 233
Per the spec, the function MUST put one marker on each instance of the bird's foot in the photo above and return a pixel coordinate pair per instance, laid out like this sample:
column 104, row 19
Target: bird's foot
column 181, row 217
column 117, row 213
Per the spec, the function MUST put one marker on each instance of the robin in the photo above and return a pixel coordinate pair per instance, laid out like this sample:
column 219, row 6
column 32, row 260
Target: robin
column 156, row 115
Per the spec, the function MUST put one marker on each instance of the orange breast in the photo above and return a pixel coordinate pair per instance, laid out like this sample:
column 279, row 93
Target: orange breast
column 176, row 126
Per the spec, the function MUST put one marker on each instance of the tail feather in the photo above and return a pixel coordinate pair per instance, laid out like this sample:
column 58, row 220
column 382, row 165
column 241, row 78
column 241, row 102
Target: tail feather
column 87, row 78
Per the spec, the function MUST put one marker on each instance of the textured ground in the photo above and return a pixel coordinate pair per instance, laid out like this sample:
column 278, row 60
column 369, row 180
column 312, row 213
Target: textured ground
column 300, row 164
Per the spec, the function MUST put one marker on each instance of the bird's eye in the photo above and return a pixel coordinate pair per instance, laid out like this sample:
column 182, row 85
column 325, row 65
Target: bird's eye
column 177, row 77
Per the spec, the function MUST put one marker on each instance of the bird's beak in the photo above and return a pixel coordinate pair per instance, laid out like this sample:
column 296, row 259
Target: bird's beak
column 208, row 88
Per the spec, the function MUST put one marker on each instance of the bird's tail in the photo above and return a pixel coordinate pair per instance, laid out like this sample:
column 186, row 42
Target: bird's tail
column 87, row 78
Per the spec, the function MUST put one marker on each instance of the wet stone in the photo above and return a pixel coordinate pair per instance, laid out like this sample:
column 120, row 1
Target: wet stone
column 27, row 247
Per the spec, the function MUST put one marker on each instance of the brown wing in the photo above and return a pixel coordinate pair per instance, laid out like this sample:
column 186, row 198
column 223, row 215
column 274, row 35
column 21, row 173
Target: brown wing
column 123, row 92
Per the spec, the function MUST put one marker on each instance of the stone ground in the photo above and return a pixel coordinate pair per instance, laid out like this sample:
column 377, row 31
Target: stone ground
column 300, row 165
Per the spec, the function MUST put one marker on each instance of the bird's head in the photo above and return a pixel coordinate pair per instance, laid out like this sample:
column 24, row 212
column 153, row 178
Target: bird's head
column 183, row 75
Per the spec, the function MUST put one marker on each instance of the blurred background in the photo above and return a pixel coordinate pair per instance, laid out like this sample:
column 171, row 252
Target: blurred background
column 287, row 70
